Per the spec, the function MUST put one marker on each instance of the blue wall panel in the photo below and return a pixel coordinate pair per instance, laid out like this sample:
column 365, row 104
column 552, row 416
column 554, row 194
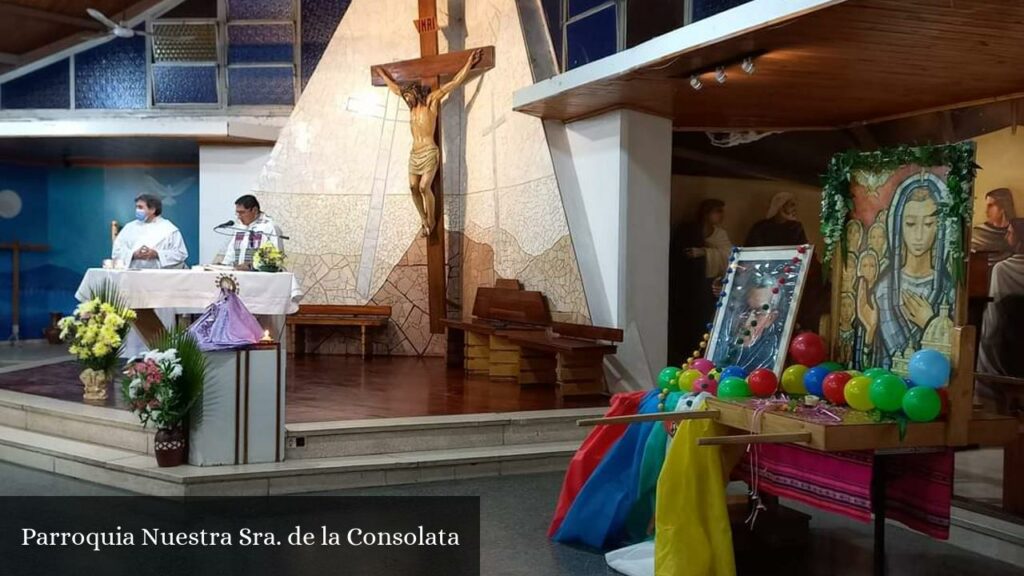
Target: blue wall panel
column 112, row 75
column 48, row 87
column 259, row 9
column 185, row 84
column 261, row 43
column 320, row 18
column 29, row 225
column 261, row 85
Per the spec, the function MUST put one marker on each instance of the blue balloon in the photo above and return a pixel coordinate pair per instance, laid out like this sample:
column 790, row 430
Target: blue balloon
column 929, row 368
column 814, row 378
column 731, row 371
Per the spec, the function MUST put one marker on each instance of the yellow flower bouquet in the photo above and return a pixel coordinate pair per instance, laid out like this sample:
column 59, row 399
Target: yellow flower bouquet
column 97, row 330
column 268, row 258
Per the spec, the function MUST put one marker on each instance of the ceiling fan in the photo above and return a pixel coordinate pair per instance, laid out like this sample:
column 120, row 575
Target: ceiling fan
column 123, row 30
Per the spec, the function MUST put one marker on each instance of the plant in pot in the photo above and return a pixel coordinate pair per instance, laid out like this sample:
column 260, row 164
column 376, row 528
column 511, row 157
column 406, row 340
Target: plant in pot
column 268, row 258
column 96, row 332
column 163, row 387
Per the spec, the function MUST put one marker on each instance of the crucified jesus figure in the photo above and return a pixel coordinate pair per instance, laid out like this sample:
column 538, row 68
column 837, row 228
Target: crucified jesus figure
column 424, row 106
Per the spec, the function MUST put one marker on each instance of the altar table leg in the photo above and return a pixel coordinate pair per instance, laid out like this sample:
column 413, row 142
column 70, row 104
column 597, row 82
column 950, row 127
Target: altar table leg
column 878, row 479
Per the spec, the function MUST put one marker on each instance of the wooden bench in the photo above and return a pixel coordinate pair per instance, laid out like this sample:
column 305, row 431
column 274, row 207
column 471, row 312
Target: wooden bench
column 336, row 316
column 512, row 337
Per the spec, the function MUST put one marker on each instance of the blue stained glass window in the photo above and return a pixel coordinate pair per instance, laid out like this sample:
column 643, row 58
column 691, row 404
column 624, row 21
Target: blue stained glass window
column 591, row 38
column 259, row 9
column 704, row 8
column 261, row 43
column 48, row 87
column 263, row 85
column 112, row 75
column 185, row 84
column 580, row 6
column 320, row 18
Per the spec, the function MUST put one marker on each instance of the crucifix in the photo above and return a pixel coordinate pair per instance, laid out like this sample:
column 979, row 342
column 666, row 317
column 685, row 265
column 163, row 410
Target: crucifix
column 418, row 83
column 16, row 249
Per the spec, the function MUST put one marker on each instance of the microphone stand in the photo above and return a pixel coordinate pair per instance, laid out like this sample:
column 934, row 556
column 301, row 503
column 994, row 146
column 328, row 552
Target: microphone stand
column 218, row 229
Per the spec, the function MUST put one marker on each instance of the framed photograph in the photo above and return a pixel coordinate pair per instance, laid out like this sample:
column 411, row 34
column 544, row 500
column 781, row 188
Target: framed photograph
column 757, row 310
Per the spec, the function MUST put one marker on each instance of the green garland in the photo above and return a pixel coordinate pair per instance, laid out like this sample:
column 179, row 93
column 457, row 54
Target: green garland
column 837, row 200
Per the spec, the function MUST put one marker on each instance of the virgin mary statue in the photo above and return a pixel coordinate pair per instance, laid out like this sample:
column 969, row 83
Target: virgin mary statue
column 911, row 289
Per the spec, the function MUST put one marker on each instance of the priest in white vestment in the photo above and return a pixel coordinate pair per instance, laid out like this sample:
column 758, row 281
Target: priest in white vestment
column 254, row 229
column 150, row 241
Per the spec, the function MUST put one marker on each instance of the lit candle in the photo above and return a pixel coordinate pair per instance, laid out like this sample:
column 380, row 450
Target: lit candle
column 266, row 337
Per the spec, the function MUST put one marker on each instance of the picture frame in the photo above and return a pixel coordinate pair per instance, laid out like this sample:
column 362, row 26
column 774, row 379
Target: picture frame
column 756, row 312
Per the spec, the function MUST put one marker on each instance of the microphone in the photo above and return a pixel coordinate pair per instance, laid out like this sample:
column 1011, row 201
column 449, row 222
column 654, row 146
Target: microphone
column 227, row 224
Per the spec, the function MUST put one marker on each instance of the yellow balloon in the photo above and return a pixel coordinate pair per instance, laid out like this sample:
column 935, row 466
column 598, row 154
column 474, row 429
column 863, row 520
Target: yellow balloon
column 793, row 379
column 857, row 393
column 854, row 373
column 687, row 378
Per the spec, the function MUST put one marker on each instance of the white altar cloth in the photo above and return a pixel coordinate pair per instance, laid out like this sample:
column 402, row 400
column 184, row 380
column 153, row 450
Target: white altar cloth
column 266, row 293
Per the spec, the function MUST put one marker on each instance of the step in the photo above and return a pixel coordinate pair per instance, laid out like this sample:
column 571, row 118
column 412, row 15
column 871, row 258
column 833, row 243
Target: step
column 111, row 427
column 424, row 433
column 139, row 473
column 987, row 535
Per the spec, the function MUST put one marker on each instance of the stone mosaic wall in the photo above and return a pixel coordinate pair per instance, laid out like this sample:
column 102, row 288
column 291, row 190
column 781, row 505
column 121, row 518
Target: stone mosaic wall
column 337, row 179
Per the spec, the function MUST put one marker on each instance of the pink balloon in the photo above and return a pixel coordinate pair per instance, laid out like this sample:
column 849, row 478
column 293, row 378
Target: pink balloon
column 703, row 365
column 705, row 384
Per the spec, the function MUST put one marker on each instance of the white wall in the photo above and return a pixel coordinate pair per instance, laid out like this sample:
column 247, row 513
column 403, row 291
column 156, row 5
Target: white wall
column 615, row 174
column 225, row 173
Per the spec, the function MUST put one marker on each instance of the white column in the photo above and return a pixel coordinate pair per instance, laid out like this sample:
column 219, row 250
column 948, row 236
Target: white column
column 615, row 174
column 225, row 173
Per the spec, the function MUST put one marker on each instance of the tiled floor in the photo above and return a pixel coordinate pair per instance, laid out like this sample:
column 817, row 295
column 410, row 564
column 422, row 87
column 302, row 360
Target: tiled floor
column 325, row 388
column 29, row 353
column 515, row 512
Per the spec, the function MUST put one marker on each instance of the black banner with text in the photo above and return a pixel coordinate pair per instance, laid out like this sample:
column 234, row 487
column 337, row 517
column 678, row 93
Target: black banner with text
column 278, row 536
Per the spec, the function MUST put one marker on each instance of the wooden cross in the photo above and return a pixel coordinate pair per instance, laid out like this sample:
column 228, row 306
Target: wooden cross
column 428, row 71
column 16, row 249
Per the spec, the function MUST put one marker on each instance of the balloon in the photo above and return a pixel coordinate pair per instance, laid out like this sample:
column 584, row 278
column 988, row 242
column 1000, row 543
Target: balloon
column 929, row 368
column 702, row 364
column 737, row 371
column 672, row 401
column 807, row 348
column 793, row 379
column 733, row 387
column 854, row 373
column 875, row 372
column 667, row 378
column 814, row 378
column 763, row 382
column 944, row 396
column 705, row 384
column 887, row 392
column 857, row 393
column 922, row 404
column 687, row 378
column 833, row 387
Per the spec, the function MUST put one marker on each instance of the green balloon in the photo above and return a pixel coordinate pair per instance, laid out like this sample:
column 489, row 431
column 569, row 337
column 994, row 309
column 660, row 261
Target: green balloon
column 832, row 366
column 922, row 404
column 667, row 378
column 887, row 392
column 875, row 372
column 734, row 387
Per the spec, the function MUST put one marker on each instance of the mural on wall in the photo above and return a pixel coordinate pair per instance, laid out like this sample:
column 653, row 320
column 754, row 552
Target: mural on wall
column 339, row 174
column 897, row 288
column 70, row 209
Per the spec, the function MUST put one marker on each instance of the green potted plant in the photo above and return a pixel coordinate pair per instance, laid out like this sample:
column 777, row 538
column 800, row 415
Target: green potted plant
column 163, row 387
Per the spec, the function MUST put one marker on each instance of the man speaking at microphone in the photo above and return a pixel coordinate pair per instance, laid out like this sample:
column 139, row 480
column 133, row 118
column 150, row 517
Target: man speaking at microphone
column 252, row 230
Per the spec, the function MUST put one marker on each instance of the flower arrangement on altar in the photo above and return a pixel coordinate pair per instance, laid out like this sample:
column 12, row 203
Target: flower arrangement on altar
column 268, row 258
column 163, row 387
column 96, row 332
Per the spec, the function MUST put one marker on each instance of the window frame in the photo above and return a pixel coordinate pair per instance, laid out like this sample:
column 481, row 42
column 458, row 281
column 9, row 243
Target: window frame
column 620, row 25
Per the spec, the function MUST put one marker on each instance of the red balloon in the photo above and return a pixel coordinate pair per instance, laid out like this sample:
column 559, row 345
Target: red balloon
column 807, row 348
column 763, row 382
column 833, row 386
column 944, row 398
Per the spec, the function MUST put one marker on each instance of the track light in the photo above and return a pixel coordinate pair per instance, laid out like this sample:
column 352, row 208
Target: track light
column 748, row 65
column 720, row 75
column 695, row 82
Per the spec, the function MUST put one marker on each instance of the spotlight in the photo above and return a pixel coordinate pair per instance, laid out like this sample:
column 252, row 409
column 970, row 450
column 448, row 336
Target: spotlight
column 720, row 74
column 695, row 82
column 748, row 65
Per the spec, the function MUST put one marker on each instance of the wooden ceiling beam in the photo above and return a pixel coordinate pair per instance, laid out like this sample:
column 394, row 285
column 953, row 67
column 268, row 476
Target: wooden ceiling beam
column 8, row 59
column 744, row 167
column 17, row 10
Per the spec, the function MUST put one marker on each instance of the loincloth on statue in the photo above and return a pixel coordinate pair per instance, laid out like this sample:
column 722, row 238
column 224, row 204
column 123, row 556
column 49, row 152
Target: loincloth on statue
column 424, row 160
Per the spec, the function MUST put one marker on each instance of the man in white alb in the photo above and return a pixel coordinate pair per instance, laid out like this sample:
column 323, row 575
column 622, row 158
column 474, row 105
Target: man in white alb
column 150, row 241
column 257, row 229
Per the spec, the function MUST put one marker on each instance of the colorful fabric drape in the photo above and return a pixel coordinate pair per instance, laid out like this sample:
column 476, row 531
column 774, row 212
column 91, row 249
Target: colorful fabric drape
column 597, row 517
column 692, row 518
column 919, row 487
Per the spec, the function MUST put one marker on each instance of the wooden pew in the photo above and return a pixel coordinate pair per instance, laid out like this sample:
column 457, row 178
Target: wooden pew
column 512, row 337
column 336, row 316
